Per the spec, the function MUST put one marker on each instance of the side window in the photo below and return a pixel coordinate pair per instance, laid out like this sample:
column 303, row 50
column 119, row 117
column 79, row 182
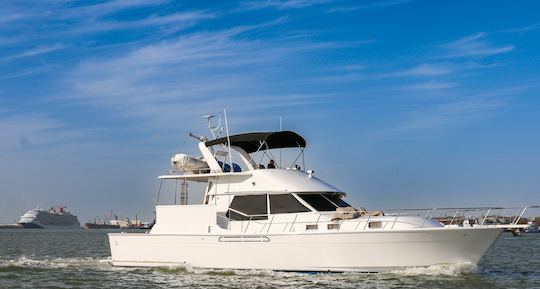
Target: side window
column 285, row 203
column 247, row 206
column 318, row 202
column 336, row 199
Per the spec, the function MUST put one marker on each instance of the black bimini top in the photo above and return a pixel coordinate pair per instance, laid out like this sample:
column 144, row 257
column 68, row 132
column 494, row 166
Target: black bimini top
column 251, row 142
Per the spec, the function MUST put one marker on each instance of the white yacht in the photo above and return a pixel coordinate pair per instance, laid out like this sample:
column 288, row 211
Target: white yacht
column 283, row 218
column 53, row 218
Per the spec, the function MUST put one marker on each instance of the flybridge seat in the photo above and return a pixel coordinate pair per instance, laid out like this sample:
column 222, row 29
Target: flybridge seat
column 253, row 142
column 227, row 167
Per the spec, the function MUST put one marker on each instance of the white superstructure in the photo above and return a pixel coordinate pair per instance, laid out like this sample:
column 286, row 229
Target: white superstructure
column 53, row 218
column 285, row 218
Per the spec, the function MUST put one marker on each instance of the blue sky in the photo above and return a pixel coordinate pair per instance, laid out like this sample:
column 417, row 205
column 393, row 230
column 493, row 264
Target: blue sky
column 403, row 103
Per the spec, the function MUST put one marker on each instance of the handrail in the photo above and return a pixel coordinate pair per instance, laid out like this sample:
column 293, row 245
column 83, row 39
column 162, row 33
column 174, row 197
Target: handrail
column 471, row 209
column 479, row 216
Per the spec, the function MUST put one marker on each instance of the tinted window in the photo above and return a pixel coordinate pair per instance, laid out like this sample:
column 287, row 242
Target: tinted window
column 336, row 199
column 248, row 205
column 318, row 202
column 285, row 203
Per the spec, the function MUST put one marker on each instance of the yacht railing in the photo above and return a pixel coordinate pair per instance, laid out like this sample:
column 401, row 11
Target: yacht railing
column 361, row 220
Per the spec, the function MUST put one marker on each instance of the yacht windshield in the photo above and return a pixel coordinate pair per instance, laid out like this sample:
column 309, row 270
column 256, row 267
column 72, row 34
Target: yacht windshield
column 248, row 207
column 324, row 201
column 285, row 203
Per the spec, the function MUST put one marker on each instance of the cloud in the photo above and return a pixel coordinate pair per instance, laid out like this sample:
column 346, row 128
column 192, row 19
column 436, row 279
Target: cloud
column 180, row 20
column 39, row 50
column 374, row 5
column 438, row 115
column 205, row 71
column 27, row 71
column 450, row 114
column 104, row 8
column 474, row 46
column 523, row 29
column 18, row 12
column 430, row 86
column 426, row 70
column 30, row 130
column 10, row 18
column 279, row 4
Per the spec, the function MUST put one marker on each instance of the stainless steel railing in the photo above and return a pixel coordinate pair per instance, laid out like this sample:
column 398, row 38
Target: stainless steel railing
column 475, row 216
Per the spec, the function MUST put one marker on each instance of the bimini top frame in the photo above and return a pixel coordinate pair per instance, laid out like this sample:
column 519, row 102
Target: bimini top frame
column 253, row 142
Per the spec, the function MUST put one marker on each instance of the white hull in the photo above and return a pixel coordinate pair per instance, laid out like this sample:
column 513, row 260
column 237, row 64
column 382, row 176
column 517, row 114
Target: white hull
column 366, row 251
column 49, row 219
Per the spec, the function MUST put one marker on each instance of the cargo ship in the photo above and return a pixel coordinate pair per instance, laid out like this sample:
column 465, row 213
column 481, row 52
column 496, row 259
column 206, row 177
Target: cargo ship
column 107, row 223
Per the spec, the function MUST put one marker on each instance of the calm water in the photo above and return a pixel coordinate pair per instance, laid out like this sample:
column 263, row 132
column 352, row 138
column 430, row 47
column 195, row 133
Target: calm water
column 78, row 259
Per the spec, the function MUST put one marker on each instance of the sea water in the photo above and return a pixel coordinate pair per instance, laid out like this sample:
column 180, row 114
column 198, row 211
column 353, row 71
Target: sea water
column 79, row 259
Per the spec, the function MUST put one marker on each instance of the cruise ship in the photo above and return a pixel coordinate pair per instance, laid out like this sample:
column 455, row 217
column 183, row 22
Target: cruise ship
column 53, row 218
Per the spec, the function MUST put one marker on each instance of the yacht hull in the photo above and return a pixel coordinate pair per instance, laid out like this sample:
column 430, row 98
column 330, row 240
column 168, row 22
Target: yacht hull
column 365, row 251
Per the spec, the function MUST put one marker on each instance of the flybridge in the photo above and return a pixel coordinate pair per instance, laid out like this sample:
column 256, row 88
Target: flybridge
column 256, row 141
column 236, row 163
column 218, row 153
column 237, row 153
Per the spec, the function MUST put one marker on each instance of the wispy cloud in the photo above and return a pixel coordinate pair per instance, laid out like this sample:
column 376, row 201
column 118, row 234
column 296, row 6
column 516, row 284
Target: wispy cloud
column 30, row 130
column 10, row 18
column 67, row 10
column 180, row 20
column 205, row 71
column 429, row 86
column 279, row 4
column 475, row 45
column 39, row 50
column 27, row 71
column 426, row 69
column 450, row 114
column 442, row 115
column 522, row 29
column 104, row 8
column 373, row 5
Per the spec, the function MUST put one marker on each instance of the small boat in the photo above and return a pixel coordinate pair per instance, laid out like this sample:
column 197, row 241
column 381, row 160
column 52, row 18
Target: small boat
column 283, row 218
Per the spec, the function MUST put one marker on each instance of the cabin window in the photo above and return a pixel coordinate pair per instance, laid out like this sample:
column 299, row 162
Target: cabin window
column 248, row 207
column 318, row 202
column 285, row 203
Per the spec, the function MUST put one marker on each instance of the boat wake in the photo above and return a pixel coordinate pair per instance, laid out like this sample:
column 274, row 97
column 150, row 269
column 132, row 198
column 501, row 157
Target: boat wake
column 454, row 269
column 25, row 262
column 53, row 263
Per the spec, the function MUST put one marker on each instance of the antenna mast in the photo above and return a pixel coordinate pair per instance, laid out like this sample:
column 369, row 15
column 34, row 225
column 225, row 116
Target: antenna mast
column 213, row 129
column 228, row 140
column 280, row 129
